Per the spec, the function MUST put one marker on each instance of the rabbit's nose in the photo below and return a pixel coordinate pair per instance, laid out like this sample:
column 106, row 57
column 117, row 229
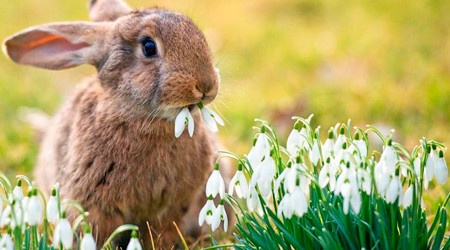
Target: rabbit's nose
column 204, row 86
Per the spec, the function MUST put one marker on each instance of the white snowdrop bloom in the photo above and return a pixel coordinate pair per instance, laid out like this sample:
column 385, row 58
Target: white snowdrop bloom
column 206, row 212
column 184, row 118
column 88, row 242
column 327, row 175
column 315, row 152
column 219, row 215
column 6, row 243
column 361, row 145
column 430, row 165
column 33, row 210
column 134, row 243
column 285, row 207
column 296, row 141
column 389, row 159
column 416, row 164
column 5, row 219
column 63, row 234
column 260, row 150
column 18, row 192
column 393, row 190
column 211, row 119
column 239, row 185
column 52, row 210
column 441, row 169
column 347, row 186
column 328, row 146
column 381, row 182
column 253, row 202
column 215, row 184
column 266, row 177
column 408, row 197
column 299, row 201
column 364, row 180
column 340, row 140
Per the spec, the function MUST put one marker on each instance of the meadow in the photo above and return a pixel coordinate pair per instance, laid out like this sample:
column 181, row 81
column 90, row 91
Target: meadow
column 385, row 63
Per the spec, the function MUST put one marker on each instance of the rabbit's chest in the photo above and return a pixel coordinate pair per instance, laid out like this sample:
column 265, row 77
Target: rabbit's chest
column 141, row 174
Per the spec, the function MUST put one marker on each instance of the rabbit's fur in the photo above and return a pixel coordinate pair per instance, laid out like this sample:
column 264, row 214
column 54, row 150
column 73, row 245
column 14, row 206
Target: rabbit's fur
column 112, row 145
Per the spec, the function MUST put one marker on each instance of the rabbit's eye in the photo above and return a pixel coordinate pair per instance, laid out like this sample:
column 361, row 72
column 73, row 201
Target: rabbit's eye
column 148, row 47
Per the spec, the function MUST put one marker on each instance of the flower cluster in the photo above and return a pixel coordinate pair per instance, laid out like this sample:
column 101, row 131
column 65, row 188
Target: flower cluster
column 184, row 118
column 24, row 215
column 306, row 174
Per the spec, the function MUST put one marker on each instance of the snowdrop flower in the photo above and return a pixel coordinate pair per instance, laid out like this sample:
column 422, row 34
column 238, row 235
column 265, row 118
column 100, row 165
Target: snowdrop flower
column 6, row 242
column 52, row 208
column 239, row 184
column 364, row 180
column 88, row 242
column 63, row 234
column 340, row 140
column 385, row 168
column 393, row 190
column 315, row 152
column 134, row 243
column 206, row 213
column 215, row 184
column 17, row 191
column 253, row 202
column 430, row 164
column 441, row 170
column 327, row 175
column 184, row 118
column 210, row 118
column 33, row 210
column 266, row 176
column 260, row 150
column 296, row 140
column 347, row 186
column 407, row 197
column 328, row 146
column 294, row 203
column 361, row 147
column 5, row 219
column 219, row 215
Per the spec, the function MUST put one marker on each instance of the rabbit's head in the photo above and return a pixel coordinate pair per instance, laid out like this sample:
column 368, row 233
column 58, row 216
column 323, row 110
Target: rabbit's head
column 153, row 60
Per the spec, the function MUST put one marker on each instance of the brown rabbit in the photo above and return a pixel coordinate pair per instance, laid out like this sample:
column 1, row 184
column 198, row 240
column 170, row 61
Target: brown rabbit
column 112, row 145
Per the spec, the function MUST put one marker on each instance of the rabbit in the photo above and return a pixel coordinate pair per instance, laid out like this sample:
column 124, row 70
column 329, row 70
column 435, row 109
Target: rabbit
column 112, row 146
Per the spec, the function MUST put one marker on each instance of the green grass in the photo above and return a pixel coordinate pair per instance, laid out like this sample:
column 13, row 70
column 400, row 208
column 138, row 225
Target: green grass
column 376, row 62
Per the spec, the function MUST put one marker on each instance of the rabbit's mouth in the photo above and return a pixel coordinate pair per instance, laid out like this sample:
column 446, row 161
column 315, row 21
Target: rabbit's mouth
column 192, row 107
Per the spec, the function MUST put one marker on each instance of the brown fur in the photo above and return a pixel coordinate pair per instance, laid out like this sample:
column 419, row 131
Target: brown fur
column 112, row 145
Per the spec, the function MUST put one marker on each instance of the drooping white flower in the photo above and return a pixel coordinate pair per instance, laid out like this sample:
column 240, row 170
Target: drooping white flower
column 215, row 184
column 211, row 119
column 340, row 140
column 253, row 202
column 134, row 243
column 294, row 203
column 364, row 180
column 33, row 210
column 327, row 175
column 184, row 118
column 206, row 212
column 347, row 186
column 88, row 242
column 393, row 190
column 266, row 176
column 315, row 155
column 259, row 151
column 18, row 192
column 328, row 146
column 441, row 170
column 296, row 140
column 63, row 234
column 6, row 243
column 52, row 210
column 5, row 219
column 430, row 164
column 218, row 216
column 408, row 197
column 239, row 184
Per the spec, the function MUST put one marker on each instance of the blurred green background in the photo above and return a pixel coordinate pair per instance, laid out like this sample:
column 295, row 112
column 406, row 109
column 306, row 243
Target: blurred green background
column 385, row 63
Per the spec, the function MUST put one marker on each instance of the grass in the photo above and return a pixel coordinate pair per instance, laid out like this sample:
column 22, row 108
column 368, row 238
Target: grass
column 376, row 62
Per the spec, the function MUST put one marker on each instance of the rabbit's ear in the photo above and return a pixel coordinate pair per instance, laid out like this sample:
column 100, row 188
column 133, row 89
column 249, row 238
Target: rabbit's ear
column 58, row 45
column 107, row 10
